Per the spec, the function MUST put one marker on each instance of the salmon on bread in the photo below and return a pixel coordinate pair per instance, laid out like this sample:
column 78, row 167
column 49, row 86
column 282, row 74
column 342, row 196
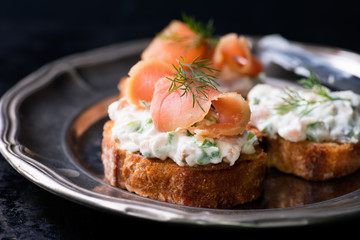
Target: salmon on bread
column 207, row 186
column 173, row 136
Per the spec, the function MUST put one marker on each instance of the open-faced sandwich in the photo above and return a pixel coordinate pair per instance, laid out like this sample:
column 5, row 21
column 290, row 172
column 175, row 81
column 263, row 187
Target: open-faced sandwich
column 173, row 136
column 312, row 132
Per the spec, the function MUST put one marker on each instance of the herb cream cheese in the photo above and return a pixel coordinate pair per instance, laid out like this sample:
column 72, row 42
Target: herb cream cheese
column 134, row 129
column 296, row 115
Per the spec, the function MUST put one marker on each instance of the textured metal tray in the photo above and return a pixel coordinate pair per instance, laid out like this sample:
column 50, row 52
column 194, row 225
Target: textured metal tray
column 51, row 125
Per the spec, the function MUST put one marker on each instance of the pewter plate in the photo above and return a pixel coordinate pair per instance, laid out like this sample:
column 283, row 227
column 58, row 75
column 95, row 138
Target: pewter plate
column 51, row 125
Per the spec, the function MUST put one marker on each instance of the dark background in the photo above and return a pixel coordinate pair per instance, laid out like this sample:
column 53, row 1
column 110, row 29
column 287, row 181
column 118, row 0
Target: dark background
column 33, row 33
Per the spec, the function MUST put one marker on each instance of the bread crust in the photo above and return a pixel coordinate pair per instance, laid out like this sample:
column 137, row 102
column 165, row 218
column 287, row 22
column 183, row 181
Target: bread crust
column 312, row 160
column 209, row 186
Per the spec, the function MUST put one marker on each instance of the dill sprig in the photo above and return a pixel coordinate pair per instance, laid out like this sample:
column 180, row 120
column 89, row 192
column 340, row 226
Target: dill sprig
column 293, row 100
column 204, row 33
column 312, row 83
column 194, row 78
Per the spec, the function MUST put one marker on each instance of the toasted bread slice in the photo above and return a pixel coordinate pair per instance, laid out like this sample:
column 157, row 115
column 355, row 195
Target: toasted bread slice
column 312, row 160
column 210, row 186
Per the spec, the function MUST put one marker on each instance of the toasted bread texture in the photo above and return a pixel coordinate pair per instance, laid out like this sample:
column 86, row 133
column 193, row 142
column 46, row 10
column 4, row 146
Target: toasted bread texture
column 209, row 186
column 312, row 160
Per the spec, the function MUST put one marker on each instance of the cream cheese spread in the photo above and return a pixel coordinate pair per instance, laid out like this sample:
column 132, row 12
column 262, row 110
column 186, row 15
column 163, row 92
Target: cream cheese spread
column 313, row 117
column 134, row 129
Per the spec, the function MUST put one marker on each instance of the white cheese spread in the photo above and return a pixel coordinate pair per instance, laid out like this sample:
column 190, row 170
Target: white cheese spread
column 134, row 129
column 312, row 116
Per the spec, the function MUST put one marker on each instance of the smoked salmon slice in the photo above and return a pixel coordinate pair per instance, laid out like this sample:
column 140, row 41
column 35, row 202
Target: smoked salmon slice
column 175, row 41
column 234, row 52
column 122, row 86
column 172, row 110
column 233, row 116
column 139, row 86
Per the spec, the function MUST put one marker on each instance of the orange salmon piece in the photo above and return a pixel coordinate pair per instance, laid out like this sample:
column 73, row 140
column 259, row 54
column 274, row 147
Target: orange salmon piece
column 171, row 110
column 142, row 78
column 122, row 86
column 234, row 52
column 175, row 41
column 233, row 116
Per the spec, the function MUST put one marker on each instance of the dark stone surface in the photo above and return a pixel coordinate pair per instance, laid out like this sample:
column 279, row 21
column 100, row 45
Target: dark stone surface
column 33, row 33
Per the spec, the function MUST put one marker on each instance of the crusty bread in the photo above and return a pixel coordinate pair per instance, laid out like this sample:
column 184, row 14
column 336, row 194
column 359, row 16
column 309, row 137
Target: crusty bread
column 311, row 160
column 210, row 186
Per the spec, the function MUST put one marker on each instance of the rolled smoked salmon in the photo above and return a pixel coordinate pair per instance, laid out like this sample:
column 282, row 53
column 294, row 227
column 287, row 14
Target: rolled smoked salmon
column 233, row 52
column 170, row 111
column 139, row 86
column 175, row 41
column 233, row 116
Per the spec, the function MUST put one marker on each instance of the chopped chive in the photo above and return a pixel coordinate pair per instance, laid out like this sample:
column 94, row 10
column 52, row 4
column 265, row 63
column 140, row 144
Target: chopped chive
column 250, row 135
column 171, row 136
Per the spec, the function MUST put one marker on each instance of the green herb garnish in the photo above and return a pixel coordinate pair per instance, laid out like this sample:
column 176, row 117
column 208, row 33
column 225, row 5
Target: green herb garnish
column 211, row 118
column 203, row 33
column 146, row 125
column 206, row 31
column 256, row 101
column 191, row 78
column 134, row 125
column 189, row 134
column 171, row 136
column 250, row 135
column 311, row 130
column 207, row 143
column 205, row 156
column 312, row 83
column 144, row 104
column 293, row 99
